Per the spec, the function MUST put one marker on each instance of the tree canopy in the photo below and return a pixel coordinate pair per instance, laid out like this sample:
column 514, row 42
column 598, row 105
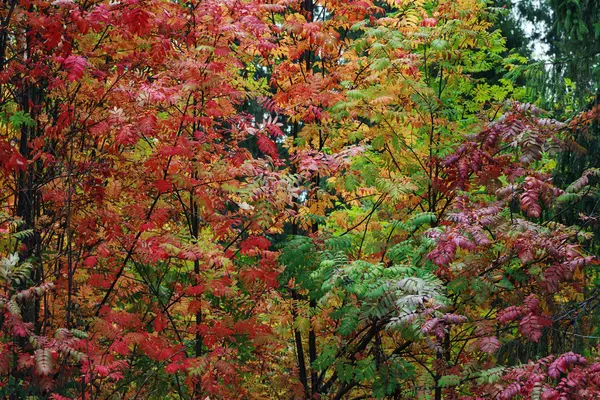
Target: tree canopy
column 298, row 199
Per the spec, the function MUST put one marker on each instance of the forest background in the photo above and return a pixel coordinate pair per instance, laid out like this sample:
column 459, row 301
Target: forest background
column 297, row 199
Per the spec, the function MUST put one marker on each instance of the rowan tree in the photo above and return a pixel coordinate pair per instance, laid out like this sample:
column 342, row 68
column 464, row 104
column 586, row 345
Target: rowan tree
column 284, row 199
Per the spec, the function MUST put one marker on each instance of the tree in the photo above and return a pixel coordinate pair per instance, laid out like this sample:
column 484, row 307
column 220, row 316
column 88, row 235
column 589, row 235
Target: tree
column 280, row 199
column 140, row 203
column 406, row 107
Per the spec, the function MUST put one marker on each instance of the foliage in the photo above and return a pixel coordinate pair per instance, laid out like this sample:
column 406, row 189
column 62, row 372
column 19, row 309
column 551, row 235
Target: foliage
column 283, row 199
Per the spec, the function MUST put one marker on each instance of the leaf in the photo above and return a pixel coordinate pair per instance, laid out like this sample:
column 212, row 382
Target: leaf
column 90, row 261
column 449, row 381
column 429, row 22
column 159, row 323
column 163, row 185
column 43, row 361
column 567, row 198
column 489, row 345
column 20, row 118
column 530, row 198
column 491, row 375
column 75, row 66
column 439, row 44
column 137, row 20
column 267, row 146
column 380, row 64
column 56, row 396
column 252, row 242
column 531, row 326
column 423, row 218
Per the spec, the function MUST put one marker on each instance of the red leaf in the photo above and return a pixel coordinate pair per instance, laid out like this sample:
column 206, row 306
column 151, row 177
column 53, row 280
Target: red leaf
column 56, row 396
column 267, row 146
column 254, row 242
column 75, row 66
column 163, row 186
column 10, row 158
column 530, row 197
column 531, row 326
column 90, row 261
column 509, row 314
column 173, row 367
column 489, row 344
column 160, row 322
column 20, row 329
column 120, row 347
column 137, row 21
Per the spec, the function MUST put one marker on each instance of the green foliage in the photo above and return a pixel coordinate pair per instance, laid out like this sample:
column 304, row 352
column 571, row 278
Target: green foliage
column 449, row 380
column 14, row 272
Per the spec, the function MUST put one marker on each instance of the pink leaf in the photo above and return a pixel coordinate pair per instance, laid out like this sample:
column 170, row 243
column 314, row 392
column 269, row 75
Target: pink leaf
column 75, row 66
column 489, row 344
column 429, row 22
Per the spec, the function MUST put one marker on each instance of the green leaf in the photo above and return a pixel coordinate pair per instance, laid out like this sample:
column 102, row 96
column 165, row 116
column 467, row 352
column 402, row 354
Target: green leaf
column 423, row 218
column 567, row 197
column 439, row 44
column 20, row 118
column 380, row 64
column 491, row 375
column 449, row 380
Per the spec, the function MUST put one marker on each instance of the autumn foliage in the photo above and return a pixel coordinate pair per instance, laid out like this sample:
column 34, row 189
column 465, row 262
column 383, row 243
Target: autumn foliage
column 266, row 199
